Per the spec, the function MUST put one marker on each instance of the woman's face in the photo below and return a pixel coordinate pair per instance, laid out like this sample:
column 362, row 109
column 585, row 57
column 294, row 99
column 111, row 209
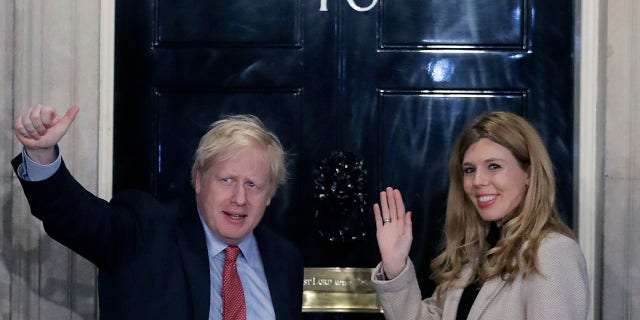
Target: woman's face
column 493, row 179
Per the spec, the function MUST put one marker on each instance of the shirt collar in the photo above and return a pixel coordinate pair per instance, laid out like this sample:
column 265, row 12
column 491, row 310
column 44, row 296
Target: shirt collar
column 248, row 245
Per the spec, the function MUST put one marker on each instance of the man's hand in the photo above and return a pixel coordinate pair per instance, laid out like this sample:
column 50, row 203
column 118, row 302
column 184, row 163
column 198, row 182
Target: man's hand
column 40, row 128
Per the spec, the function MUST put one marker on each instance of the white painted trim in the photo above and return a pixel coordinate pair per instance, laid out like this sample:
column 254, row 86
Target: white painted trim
column 105, row 122
column 589, row 125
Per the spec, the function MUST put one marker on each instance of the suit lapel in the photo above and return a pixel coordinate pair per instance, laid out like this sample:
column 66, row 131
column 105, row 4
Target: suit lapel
column 193, row 250
column 274, row 269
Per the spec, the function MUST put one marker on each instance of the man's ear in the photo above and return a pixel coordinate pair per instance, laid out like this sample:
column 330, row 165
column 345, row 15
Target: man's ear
column 196, row 182
column 271, row 194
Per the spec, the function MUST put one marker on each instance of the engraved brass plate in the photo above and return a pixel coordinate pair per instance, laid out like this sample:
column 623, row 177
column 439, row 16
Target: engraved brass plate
column 339, row 290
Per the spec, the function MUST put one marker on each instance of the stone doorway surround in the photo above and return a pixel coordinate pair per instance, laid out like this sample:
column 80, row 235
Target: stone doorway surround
column 61, row 52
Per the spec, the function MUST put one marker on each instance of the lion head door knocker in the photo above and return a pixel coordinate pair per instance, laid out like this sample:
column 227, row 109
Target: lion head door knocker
column 339, row 196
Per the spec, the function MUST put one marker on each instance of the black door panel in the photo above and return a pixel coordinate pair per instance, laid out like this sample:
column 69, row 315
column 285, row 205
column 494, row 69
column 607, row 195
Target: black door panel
column 392, row 85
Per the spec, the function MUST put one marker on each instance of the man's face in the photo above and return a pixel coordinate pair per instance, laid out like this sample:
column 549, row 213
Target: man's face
column 233, row 194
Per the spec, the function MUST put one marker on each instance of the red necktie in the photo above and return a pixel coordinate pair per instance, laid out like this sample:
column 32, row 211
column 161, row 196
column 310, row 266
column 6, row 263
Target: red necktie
column 233, row 305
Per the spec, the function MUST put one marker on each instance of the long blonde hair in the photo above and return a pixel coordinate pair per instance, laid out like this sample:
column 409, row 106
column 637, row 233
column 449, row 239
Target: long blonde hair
column 524, row 228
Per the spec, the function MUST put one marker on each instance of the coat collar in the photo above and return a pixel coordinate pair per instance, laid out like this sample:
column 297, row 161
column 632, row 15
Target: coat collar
column 488, row 292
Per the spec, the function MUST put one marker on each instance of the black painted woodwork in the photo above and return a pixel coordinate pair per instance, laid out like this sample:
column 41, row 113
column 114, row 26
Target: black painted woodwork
column 394, row 85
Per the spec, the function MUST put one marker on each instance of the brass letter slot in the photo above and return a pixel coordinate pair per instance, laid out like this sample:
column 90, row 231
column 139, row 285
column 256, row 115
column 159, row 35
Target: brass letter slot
column 339, row 290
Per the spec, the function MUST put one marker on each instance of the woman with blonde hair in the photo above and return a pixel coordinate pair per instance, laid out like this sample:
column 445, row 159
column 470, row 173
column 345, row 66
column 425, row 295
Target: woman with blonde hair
column 507, row 254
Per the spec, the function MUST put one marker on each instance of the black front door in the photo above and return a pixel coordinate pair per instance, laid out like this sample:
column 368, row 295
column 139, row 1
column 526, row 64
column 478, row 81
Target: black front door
column 389, row 83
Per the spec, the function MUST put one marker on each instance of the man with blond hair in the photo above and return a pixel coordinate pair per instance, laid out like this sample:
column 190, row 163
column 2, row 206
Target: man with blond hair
column 202, row 258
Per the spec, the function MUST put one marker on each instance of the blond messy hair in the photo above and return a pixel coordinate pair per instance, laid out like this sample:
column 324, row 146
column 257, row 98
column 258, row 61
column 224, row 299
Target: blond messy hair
column 233, row 133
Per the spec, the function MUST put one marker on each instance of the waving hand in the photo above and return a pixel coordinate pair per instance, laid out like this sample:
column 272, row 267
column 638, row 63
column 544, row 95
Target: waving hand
column 394, row 232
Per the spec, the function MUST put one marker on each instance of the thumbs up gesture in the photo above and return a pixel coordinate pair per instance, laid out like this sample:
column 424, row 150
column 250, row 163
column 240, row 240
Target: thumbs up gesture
column 40, row 128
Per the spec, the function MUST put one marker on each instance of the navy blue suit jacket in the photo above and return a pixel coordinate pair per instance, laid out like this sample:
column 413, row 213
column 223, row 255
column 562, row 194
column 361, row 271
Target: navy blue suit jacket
column 151, row 256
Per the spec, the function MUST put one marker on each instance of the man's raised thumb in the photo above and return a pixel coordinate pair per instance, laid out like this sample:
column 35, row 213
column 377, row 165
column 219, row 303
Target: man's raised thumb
column 69, row 116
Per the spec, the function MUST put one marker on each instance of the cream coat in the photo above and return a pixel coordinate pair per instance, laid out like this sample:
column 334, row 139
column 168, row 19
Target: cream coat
column 561, row 292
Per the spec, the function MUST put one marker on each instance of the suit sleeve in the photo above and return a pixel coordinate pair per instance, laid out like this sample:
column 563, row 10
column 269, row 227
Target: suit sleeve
column 561, row 291
column 400, row 297
column 98, row 230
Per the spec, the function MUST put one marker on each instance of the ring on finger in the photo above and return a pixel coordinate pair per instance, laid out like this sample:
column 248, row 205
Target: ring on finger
column 386, row 220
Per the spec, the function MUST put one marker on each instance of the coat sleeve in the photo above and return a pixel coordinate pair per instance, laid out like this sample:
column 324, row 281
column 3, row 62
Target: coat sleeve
column 561, row 290
column 400, row 297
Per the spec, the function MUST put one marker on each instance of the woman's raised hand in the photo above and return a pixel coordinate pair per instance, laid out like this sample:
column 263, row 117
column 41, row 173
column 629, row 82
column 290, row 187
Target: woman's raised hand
column 393, row 231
